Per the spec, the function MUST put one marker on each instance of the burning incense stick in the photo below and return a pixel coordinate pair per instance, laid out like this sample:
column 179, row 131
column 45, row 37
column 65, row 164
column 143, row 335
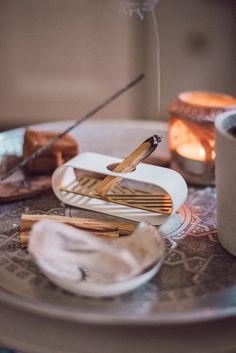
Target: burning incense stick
column 67, row 130
column 129, row 164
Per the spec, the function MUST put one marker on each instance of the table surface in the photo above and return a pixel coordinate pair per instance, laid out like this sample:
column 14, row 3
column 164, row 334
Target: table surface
column 196, row 283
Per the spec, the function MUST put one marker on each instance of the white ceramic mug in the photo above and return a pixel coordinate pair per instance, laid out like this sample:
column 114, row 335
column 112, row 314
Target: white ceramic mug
column 226, row 180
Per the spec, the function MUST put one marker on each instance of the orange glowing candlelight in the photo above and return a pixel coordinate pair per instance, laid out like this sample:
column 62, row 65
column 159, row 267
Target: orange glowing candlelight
column 191, row 133
column 192, row 151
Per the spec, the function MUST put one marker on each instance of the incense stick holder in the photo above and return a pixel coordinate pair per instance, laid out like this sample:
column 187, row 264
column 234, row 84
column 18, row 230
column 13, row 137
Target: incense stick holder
column 149, row 193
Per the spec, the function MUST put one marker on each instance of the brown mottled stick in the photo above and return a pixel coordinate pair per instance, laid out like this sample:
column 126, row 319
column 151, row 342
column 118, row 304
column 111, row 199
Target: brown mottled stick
column 67, row 130
column 128, row 164
column 97, row 227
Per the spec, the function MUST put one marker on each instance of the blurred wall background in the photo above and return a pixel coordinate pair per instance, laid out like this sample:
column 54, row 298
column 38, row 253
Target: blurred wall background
column 59, row 58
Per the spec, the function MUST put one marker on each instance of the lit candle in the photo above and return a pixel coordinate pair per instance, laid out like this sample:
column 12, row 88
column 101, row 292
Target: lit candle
column 192, row 151
column 191, row 133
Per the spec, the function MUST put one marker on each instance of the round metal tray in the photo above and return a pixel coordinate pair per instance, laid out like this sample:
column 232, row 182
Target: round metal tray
column 195, row 284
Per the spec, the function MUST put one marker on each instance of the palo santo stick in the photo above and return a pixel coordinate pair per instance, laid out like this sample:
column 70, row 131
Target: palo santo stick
column 110, row 229
column 128, row 164
column 111, row 234
column 24, row 238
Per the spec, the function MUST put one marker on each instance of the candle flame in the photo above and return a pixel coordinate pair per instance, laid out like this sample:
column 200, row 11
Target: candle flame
column 202, row 153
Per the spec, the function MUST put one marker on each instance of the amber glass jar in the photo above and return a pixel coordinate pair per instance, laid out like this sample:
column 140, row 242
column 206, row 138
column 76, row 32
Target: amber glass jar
column 191, row 134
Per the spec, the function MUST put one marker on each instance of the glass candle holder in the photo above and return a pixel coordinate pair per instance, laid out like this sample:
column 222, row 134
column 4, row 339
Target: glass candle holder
column 191, row 134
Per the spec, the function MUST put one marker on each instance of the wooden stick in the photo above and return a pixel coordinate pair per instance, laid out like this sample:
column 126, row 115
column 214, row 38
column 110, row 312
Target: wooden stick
column 97, row 227
column 24, row 238
column 128, row 164
column 112, row 234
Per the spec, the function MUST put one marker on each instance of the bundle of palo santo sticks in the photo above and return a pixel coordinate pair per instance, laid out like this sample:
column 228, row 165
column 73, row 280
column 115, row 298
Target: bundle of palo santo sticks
column 105, row 229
